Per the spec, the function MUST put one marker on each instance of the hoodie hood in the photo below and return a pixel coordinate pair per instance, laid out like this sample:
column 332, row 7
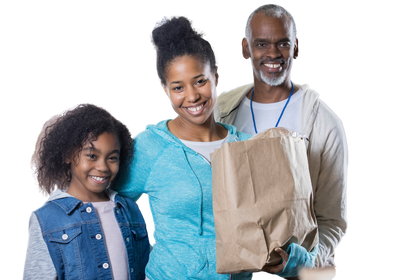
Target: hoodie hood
column 162, row 130
column 57, row 194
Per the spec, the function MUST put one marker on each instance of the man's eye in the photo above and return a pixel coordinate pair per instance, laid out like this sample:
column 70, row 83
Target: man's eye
column 202, row 81
column 260, row 45
column 285, row 45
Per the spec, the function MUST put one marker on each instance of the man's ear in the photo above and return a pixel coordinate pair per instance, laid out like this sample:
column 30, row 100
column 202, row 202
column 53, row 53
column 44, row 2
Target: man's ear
column 245, row 49
column 296, row 49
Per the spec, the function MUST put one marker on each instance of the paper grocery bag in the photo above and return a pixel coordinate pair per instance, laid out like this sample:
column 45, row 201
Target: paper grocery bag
column 262, row 199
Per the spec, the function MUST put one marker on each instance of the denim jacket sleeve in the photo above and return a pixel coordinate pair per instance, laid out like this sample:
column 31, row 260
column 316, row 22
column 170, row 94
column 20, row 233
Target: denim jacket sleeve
column 38, row 263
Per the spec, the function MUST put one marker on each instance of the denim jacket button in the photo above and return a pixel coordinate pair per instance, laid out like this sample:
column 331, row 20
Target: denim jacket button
column 88, row 209
column 127, row 239
column 98, row 236
column 64, row 236
column 131, row 269
column 105, row 265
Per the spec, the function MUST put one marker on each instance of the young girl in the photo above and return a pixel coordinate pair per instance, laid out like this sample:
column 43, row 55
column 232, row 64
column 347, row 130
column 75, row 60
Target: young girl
column 172, row 158
column 85, row 230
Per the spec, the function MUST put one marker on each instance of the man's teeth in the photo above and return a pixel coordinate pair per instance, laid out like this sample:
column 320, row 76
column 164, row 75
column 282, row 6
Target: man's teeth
column 100, row 179
column 272, row 65
column 195, row 109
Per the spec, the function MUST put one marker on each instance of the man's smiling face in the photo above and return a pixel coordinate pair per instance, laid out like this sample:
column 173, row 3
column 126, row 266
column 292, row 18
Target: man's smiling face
column 271, row 47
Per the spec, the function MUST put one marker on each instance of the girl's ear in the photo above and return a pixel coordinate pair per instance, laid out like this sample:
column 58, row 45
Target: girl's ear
column 67, row 160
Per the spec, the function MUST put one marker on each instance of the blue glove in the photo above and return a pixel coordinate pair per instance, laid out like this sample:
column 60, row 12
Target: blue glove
column 298, row 258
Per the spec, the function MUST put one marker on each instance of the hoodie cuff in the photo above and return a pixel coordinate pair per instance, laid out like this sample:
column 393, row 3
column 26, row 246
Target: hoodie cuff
column 298, row 258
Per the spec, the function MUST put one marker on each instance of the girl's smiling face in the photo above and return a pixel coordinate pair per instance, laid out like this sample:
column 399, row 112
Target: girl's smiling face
column 191, row 87
column 94, row 168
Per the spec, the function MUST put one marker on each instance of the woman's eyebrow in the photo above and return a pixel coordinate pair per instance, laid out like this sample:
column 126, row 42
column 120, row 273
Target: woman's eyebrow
column 196, row 77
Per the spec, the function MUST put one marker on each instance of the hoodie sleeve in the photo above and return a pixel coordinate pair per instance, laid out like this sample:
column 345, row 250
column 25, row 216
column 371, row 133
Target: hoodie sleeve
column 328, row 168
column 38, row 263
column 132, row 181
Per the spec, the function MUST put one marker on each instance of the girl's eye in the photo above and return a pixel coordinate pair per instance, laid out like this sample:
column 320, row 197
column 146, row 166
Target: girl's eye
column 114, row 158
column 91, row 156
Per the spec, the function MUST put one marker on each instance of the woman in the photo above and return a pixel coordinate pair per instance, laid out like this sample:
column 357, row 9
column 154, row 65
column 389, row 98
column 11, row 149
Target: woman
column 172, row 158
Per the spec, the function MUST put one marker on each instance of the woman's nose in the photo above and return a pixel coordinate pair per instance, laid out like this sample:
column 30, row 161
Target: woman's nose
column 192, row 95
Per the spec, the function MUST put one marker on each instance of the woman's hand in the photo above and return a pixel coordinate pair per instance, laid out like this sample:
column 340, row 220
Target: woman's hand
column 277, row 268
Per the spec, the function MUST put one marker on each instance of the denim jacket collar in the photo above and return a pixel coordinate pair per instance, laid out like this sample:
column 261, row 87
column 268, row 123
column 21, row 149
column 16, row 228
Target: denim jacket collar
column 68, row 203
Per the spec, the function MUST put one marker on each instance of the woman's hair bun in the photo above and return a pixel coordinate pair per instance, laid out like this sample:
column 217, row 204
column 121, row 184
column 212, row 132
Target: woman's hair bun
column 173, row 31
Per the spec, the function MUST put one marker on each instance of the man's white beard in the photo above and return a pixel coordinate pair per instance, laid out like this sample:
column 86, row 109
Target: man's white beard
column 276, row 81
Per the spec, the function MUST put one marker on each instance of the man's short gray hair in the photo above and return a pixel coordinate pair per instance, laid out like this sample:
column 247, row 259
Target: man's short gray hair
column 271, row 10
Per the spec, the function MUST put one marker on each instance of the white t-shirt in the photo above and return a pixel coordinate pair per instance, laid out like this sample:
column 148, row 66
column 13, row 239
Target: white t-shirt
column 204, row 148
column 113, row 239
column 266, row 115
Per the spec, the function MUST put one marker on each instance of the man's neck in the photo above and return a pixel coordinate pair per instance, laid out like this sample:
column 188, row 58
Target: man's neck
column 264, row 93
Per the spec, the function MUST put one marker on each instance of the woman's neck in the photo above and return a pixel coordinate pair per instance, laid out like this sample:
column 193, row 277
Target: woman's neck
column 206, row 132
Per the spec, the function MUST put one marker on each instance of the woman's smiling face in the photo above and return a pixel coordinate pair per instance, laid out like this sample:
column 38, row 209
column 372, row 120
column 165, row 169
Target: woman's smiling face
column 191, row 87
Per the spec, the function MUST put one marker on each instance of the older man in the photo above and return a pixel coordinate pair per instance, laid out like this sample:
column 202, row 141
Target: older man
column 273, row 100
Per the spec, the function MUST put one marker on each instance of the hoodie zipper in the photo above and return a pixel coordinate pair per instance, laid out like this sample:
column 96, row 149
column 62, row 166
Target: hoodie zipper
column 209, row 162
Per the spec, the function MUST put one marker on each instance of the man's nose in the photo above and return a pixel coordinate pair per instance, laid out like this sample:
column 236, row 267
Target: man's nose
column 273, row 51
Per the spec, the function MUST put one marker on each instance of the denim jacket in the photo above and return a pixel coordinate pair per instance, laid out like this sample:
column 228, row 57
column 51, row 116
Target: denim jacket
column 73, row 235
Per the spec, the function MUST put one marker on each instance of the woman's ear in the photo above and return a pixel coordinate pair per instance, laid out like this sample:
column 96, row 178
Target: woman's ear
column 218, row 77
column 166, row 90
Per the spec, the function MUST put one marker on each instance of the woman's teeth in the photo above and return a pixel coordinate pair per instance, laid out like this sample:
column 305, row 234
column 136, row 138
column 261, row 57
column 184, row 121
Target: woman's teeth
column 100, row 179
column 195, row 109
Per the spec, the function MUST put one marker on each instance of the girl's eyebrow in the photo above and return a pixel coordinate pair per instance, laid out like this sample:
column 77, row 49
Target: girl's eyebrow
column 94, row 149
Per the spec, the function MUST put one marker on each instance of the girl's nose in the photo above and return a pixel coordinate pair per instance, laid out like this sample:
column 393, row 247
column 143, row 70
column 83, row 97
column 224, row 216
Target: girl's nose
column 102, row 166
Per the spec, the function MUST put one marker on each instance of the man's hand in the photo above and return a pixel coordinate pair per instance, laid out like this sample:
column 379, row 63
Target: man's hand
column 277, row 268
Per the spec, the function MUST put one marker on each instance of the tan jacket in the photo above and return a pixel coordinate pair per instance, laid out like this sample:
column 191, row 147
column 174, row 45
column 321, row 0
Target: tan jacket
column 327, row 157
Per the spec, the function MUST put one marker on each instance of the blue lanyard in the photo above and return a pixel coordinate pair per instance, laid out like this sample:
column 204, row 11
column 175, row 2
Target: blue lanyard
column 252, row 113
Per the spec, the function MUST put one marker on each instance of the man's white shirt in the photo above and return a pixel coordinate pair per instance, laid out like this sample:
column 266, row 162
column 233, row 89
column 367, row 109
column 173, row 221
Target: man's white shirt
column 266, row 115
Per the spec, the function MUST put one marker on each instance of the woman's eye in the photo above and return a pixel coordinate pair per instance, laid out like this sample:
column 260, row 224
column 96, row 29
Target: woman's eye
column 202, row 81
column 177, row 88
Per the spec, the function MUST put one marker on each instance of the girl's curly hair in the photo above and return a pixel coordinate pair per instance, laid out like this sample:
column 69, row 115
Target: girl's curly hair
column 65, row 134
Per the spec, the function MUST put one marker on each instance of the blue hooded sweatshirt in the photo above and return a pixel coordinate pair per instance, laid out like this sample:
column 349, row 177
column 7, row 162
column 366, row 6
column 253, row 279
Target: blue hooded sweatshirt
column 178, row 183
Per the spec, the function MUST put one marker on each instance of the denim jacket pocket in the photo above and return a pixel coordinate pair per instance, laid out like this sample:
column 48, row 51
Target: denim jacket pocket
column 65, row 244
column 65, row 236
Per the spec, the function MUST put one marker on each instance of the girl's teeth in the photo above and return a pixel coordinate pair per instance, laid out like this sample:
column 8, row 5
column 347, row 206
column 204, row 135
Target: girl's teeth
column 100, row 179
column 191, row 109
